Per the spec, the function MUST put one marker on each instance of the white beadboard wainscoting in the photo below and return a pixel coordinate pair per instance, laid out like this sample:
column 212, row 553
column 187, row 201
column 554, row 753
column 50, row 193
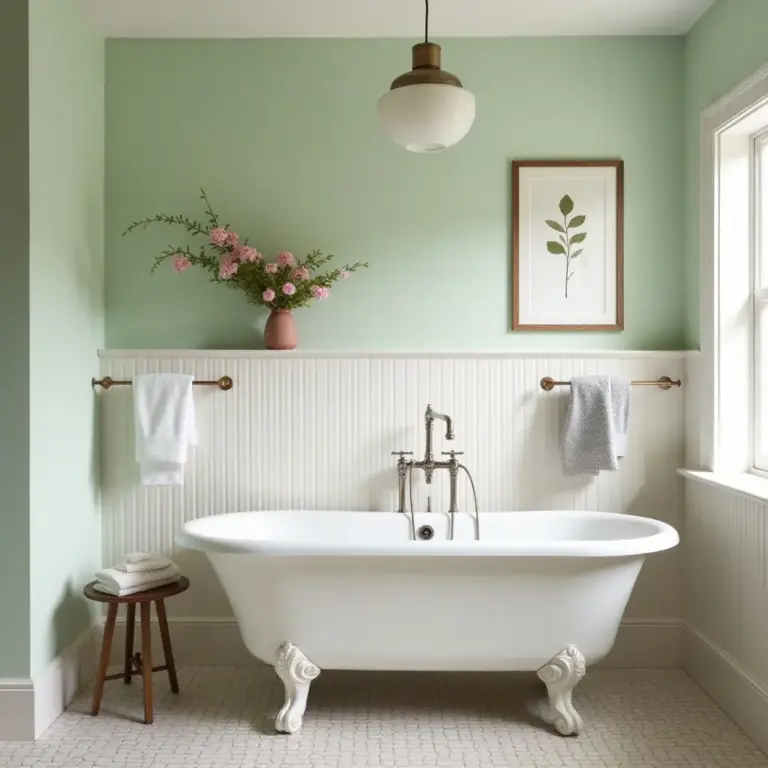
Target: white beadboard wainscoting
column 726, row 601
column 314, row 430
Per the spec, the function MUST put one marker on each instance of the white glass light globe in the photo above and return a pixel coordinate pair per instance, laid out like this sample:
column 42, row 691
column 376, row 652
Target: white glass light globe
column 427, row 117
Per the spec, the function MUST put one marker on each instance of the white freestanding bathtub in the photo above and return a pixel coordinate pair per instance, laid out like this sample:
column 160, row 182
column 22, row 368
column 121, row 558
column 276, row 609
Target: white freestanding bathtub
column 539, row 591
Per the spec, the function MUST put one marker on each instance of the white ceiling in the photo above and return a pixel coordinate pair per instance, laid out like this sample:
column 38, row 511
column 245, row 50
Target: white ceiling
column 392, row 18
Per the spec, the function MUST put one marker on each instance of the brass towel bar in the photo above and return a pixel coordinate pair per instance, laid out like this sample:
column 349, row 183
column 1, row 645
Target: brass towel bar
column 548, row 383
column 225, row 383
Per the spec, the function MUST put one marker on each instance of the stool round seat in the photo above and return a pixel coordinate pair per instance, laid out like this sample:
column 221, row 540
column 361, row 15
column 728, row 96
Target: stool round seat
column 148, row 596
column 139, row 663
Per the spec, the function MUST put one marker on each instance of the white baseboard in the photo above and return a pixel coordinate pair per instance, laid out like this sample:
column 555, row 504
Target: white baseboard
column 204, row 641
column 72, row 669
column 17, row 710
column 28, row 707
column 730, row 686
column 216, row 641
column 647, row 644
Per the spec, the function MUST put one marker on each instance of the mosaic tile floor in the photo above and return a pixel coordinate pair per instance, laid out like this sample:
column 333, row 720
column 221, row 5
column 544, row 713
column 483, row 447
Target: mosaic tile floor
column 221, row 719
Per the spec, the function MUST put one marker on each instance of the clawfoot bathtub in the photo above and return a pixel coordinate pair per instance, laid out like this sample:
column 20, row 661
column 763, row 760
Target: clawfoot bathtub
column 540, row 591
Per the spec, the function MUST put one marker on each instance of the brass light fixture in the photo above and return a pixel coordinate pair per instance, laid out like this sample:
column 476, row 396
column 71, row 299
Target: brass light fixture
column 426, row 109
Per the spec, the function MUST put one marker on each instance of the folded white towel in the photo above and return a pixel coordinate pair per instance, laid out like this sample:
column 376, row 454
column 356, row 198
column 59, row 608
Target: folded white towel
column 109, row 590
column 119, row 580
column 140, row 562
column 164, row 415
column 595, row 431
column 138, row 557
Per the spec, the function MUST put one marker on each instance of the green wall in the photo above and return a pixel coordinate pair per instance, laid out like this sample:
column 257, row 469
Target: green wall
column 726, row 46
column 66, row 319
column 51, row 310
column 283, row 136
column 14, row 341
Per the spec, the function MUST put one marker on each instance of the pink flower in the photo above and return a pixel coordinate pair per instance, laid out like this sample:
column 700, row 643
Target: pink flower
column 219, row 236
column 270, row 269
column 228, row 268
column 245, row 253
column 268, row 295
column 320, row 292
column 302, row 273
column 231, row 239
column 285, row 258
column 180, row 263
column 289, row 289
column 345, row 273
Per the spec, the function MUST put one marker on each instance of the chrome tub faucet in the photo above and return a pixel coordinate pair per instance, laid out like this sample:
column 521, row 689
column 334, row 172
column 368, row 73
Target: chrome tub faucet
column 405, row 467
column 428, row 463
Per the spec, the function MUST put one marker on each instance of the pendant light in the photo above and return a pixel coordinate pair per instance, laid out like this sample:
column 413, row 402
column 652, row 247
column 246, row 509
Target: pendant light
column 426, row 109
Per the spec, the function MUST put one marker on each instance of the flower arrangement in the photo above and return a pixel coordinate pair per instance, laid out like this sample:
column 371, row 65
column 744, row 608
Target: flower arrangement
column 286, row 283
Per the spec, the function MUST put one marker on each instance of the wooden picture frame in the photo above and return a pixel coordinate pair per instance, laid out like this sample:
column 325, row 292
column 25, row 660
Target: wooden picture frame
column 556, row 205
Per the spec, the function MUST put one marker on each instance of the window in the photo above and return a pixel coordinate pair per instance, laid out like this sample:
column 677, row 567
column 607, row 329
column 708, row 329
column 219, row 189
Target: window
column 728, row 387
column 760, row 277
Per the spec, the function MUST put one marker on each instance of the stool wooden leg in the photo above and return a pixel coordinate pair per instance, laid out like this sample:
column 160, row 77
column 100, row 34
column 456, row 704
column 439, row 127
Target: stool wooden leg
column 129, row 629
column 146, row 667
column 106, row 648
column 162, row 619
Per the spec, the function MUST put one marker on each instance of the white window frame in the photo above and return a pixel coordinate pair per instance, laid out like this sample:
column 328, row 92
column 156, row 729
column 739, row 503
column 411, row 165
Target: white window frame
column 723, row 397
column 760, row 300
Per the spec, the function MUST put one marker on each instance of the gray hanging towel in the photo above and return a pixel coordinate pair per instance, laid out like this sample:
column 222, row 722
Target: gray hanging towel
column 596, row 423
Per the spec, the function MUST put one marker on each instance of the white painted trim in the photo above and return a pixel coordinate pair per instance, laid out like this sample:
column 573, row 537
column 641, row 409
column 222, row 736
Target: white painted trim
column 70, row 671
column 736, row 95
column 17, row 710
column 739, row 103
column 196, row 641
column 731, row 686
column 649, row 644
column 748, row 485
column 28, row 707
column 759, row 236
column 249, row 354
column 216, row 641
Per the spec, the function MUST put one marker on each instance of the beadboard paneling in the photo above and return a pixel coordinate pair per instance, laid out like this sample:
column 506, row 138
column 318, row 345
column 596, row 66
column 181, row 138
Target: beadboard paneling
column 726, row 569
column 316, row 432
column 698, row 430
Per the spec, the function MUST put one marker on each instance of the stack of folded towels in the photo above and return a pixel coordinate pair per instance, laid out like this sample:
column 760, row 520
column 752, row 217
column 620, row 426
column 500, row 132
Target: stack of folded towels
column 139, row 572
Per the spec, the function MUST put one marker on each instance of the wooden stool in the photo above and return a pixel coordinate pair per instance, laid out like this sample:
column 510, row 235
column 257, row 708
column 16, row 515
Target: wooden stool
column 140, row 663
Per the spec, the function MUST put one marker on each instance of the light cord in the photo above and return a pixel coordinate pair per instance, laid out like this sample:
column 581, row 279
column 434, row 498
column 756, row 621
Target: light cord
column 426, row 22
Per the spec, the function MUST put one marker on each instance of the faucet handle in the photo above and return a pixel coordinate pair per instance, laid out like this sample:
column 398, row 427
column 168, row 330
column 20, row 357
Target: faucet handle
column 402, row 454
column 452, row 453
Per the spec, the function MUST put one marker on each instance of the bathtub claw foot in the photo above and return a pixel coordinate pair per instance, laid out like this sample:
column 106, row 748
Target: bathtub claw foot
column 560, row 676
column 297, row 673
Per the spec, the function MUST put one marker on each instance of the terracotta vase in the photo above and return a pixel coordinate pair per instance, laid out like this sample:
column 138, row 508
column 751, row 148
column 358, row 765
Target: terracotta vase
column 280, row 330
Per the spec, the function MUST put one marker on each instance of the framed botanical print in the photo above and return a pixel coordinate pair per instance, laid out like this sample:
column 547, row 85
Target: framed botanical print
column 568, row 245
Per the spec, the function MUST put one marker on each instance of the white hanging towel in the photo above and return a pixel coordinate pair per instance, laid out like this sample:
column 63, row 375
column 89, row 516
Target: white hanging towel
column 595, row 430
column 164, row 411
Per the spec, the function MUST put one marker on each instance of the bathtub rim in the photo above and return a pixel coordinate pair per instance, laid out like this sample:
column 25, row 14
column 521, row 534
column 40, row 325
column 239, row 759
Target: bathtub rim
column 664, row 537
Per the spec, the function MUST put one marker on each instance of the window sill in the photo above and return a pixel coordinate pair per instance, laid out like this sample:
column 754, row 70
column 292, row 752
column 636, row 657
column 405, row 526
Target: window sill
column 744, row 484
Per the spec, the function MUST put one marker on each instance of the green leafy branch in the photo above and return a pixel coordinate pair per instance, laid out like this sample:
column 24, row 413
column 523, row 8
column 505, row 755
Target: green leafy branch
column 192, row 226
column 565, row 241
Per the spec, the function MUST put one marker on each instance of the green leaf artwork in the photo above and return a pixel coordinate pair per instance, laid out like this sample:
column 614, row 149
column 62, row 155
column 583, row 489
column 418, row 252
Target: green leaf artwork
column 563, row 248
column 557, row 227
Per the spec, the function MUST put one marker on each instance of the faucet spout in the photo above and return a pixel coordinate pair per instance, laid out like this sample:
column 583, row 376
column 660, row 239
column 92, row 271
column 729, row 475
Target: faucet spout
column 429, row 464
column 432, row 415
